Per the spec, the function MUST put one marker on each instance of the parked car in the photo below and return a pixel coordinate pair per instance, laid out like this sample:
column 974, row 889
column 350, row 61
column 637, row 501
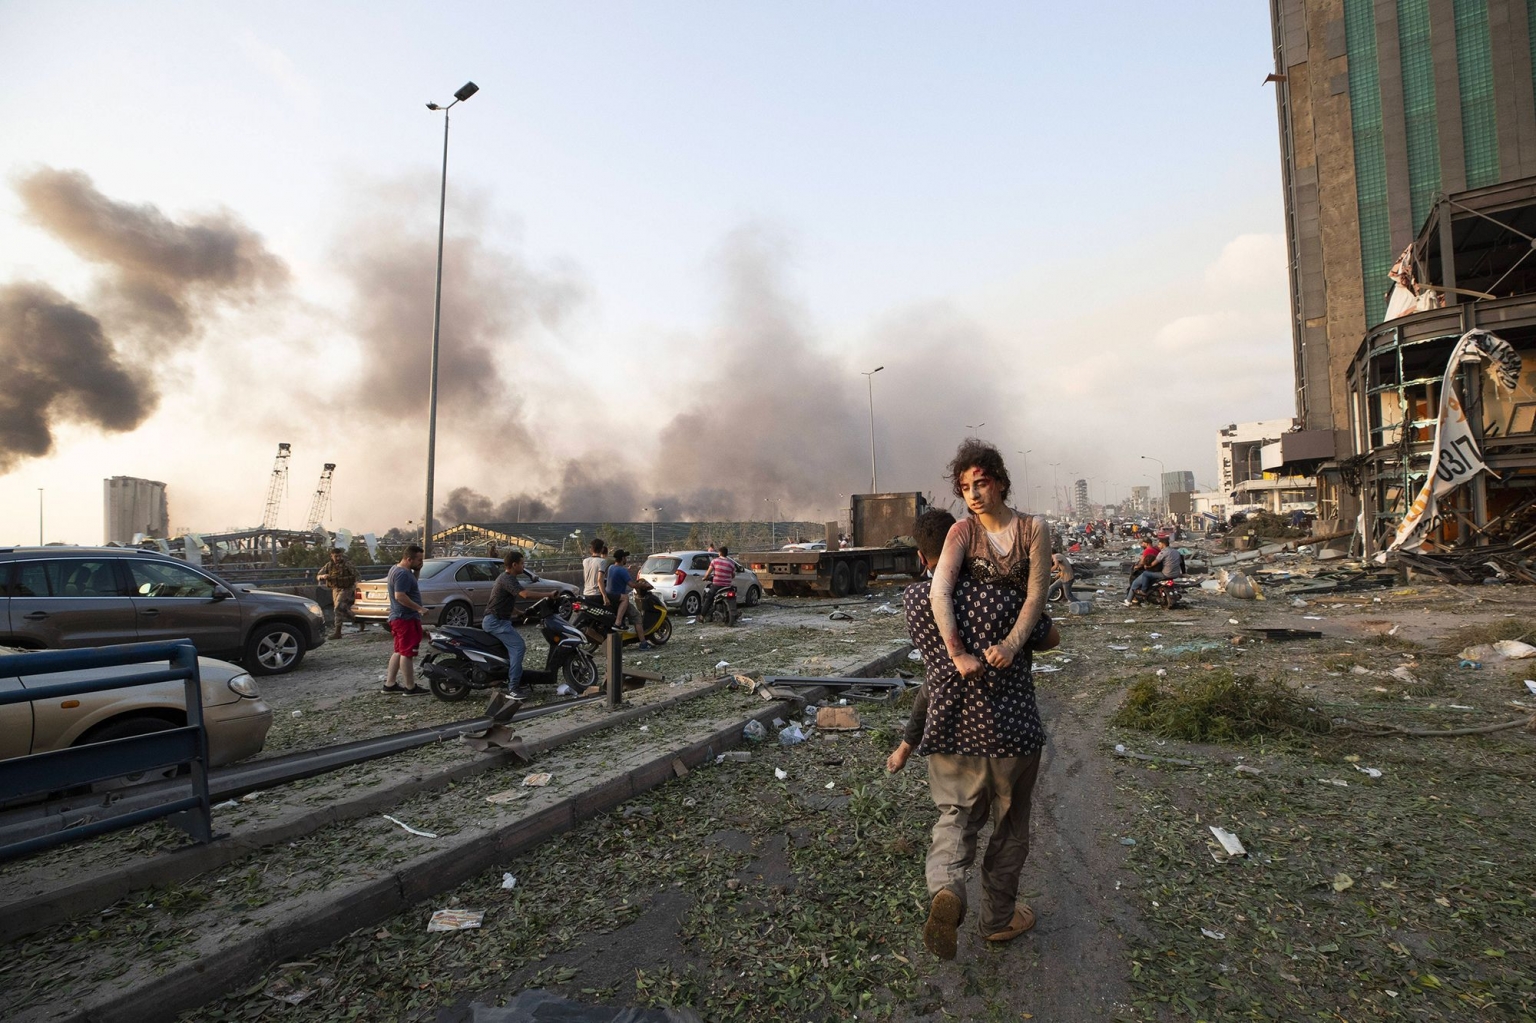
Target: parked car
column 809, row 545
column 679, row 578
column 57, row 597
column 234, row 712
column 453, row 590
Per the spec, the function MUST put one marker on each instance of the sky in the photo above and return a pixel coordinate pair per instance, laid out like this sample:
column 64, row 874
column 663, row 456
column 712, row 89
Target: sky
column 677, row 235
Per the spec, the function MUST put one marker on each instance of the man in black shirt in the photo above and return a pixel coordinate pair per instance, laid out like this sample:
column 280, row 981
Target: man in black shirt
column 501, row 613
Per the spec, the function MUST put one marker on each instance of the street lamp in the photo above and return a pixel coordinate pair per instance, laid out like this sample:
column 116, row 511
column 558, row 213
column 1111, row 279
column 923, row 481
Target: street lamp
column 869, row 378
column 973, row 429
column 1025, row 454
column 773, row 528
column 466, row 91
column 654, row 512
column 1055, row 484
column 1162, row 485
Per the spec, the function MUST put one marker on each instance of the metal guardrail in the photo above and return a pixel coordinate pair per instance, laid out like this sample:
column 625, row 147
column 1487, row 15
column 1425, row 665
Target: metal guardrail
column 41, row 773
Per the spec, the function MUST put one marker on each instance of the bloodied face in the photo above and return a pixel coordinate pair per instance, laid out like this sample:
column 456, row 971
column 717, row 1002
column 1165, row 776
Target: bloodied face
column 981, row 492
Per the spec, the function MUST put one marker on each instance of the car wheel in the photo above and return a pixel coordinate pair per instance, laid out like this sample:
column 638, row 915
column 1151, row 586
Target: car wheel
column 754, row 595
column 842, row 579
column 274, row 649
column 691, row 604
column 663, row 632
column 124, row 728
column 458, row 615
column 860, row 582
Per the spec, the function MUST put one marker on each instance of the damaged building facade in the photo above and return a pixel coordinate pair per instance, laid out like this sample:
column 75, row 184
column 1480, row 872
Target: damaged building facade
column 1408, row 149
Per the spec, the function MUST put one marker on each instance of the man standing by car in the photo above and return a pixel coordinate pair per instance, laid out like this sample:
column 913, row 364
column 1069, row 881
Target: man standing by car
column 405, row 611
column 500, row 616
column 341, row 577
column 722, row 573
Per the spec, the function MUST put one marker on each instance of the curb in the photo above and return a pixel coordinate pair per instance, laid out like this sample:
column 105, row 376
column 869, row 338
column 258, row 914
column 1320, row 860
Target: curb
column 327, row 920
column 41, row 912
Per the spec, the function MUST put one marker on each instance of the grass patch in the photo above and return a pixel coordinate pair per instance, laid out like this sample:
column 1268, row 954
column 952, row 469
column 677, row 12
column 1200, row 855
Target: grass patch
column 1215, row 706
column 1489, row 632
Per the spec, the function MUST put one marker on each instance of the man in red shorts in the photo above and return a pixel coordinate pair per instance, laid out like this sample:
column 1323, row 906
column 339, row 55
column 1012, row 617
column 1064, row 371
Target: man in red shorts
column 405, row 610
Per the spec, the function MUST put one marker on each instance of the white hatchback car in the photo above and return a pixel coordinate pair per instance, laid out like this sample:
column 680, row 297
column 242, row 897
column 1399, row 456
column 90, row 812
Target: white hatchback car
column 679, row 579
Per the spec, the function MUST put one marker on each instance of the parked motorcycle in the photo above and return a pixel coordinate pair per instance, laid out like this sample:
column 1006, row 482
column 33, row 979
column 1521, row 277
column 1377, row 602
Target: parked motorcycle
column 464, row 659
column 595, row 621
column 721, row 606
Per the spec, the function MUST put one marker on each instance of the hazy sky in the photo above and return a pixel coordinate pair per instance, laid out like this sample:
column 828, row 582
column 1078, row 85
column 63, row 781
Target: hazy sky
column 1075, row 206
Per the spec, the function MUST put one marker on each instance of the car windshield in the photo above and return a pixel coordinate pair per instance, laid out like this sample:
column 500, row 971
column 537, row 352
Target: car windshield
column 434, row 566
column 659, row 566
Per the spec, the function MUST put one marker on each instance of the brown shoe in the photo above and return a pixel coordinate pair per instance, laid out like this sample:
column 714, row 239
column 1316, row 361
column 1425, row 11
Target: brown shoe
column 1023, row 920
column 939, row 933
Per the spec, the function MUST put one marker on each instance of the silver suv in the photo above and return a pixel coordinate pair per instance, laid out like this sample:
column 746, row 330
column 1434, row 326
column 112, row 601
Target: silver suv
column 55, row 597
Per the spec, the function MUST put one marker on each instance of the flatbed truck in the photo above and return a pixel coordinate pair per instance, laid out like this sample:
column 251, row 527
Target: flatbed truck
column 881, row 526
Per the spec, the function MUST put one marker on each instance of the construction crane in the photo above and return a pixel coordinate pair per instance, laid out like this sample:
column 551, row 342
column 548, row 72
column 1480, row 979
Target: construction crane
column 277, row 487
column 322, row 501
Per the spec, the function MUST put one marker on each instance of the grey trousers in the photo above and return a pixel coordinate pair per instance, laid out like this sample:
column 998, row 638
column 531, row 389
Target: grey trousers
column 968, row 790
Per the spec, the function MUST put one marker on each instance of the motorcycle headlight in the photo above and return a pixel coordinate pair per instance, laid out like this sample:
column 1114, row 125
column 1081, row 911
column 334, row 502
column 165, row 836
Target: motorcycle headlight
column 313, row 609
column 243, row 685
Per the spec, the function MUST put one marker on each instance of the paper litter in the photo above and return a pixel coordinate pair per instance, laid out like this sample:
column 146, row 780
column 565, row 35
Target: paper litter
column 456, row 919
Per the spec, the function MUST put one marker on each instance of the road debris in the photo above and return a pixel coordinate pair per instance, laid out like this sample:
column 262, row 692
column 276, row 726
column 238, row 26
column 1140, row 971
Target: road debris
column 508, row 882
column 539, row 780
column 407, row 827
column 456, row 920
column 1230, row 844
column 838, row 719
column 754, row 731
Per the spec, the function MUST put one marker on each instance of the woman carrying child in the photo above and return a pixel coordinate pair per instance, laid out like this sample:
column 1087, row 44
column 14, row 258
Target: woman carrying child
column 994, row 544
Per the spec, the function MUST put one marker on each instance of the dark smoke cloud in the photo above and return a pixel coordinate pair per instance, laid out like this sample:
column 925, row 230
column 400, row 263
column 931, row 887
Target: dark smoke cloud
column 60, row 368
column 492, row 299
column 162, row 276
column 160, row 280
column 776, row 418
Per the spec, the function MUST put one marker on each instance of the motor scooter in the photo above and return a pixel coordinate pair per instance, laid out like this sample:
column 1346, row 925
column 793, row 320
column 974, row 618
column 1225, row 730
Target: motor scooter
column 464, row 659
column 721, row 606
column 594, row 620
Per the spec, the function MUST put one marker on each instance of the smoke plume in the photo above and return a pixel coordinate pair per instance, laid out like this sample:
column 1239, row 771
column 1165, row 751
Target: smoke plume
column 776, row 419
column 492, row 300
column 162, row 277
column 160, row 281
column 60, row 368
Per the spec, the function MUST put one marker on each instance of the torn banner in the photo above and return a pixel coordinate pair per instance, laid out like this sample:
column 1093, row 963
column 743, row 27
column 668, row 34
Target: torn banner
column 1456, row 458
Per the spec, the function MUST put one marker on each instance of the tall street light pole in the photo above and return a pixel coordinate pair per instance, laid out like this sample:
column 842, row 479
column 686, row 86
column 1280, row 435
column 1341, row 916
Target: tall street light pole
column 466, row 91
column 1025, row 454
column 874, row 477
column 39, row 516
column 1162, row 485
column 973, row 429
column 1055, row 484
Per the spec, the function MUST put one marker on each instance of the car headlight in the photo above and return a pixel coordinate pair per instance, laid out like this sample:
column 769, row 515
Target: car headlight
column 314, row 609
column 243, row 685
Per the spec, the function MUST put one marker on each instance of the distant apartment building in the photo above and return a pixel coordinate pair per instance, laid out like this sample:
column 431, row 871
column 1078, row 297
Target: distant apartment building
column 133, row 506
column 1140, row 499
column 1080, row 495
column 1251, row 471
column 1408, row 154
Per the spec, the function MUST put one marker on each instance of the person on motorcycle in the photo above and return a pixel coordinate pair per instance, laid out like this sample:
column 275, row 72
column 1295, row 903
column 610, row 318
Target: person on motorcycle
column 500, row 616
column 722, row 573
column 1062, row 576
column 594, row 570
column 1168, row 564
column 617, row 587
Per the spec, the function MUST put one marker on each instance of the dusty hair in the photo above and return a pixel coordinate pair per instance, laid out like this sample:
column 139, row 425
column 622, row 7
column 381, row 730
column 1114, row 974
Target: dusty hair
column 512, row 557
column 978, row 454
column 930, row 529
